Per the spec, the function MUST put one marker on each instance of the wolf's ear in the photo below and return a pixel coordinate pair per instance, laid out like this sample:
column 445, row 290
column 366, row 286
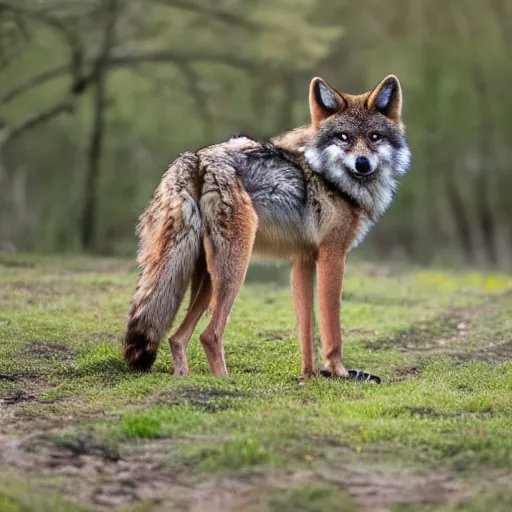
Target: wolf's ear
column 386, row 98
column 324, row 101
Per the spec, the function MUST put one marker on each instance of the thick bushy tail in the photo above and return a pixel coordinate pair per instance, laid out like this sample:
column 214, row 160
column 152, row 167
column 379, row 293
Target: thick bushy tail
column 170, row 240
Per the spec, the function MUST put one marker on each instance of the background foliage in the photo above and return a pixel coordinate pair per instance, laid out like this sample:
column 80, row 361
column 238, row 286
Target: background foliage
column 97, row 97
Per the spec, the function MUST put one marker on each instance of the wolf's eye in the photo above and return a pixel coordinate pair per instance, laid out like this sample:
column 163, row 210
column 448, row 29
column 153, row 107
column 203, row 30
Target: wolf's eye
column 375, row 137
column 344, row 137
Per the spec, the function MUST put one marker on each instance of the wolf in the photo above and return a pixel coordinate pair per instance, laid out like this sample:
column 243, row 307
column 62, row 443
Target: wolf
column 307, row 196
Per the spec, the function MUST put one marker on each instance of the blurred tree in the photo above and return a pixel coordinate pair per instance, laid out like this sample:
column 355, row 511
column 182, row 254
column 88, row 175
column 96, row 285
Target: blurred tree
column 158, row 31
column 140, row 81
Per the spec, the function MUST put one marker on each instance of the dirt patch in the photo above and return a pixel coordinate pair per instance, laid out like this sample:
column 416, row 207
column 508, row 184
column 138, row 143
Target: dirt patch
column 12, row 377
column 29, row 384
column 473, row 334
column 41, row 416
column 377, row 491
column 403, row 374
column 221, row 495
column 74, row 446
column 92, row 473
column 92, row 477
column 425, row 336
column 386, row 489
column 47, row 350
column 277, row 335
column 23, row 390
column 102, row 337
column 100, row 476
column 18, row 396
column 26, row 410
column 206, row 400
column 493, row 353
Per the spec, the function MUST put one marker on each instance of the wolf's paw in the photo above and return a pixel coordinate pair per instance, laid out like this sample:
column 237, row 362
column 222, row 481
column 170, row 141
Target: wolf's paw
column 353, row 374
column 359, row 375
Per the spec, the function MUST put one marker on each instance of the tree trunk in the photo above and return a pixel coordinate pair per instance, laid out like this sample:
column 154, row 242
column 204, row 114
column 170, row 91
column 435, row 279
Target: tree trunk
column 484, row 210
column 88, row 229
column 460, row 218
column 88, row 221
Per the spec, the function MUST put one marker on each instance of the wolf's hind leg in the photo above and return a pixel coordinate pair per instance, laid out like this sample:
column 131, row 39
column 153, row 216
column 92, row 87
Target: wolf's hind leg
column 197, row 278
column 200, row 296
column 231, row 224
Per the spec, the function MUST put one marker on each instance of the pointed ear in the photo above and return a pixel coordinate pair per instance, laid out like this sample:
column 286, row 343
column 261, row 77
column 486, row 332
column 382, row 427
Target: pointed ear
column 386, row 98
column 324, row 101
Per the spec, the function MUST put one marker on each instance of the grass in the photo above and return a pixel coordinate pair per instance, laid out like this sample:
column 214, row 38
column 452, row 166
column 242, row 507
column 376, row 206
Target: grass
column 440, row 425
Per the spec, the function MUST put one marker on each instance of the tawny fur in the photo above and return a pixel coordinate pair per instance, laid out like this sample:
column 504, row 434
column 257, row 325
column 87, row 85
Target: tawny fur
column 287, row 199
column 170, row 233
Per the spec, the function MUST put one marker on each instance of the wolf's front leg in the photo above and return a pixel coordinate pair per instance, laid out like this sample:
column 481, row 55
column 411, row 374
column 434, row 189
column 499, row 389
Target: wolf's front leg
column 331, row 268
column 303, row 278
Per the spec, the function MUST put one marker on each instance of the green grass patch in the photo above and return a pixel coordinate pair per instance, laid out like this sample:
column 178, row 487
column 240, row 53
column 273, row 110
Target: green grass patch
column 18, row 495
column 441, row 341
column 311, row 498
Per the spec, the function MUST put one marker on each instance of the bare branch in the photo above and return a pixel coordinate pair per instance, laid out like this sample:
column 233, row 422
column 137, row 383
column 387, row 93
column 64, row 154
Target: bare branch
column 78, row 86
column 99, row 75
column 168, row 56
column 102, row 60
column 70, row 35
column 64, row 106
column 38, row 80
column 128, row 60
column 80, row 81
column 10, row 135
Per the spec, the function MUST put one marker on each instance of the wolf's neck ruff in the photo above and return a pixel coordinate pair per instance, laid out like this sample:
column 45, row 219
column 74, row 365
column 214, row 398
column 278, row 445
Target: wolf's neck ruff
column 373, row 195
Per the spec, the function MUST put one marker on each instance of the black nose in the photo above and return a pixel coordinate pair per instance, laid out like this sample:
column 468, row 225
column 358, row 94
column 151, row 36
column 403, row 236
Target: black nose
column 363, row 165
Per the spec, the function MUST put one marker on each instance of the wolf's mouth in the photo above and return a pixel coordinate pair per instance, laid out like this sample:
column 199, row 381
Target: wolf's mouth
column 366, row 176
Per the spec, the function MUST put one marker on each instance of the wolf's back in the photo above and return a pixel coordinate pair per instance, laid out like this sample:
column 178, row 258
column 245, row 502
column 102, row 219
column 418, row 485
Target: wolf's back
column 170, row 233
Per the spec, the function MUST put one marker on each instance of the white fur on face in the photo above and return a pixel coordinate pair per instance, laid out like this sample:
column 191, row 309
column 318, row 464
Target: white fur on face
column 337, row 157
column 374, row 194
column 314, row 159
column 403, row 159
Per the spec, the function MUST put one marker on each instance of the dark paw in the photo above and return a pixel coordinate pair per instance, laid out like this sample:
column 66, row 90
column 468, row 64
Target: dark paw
column 353, row 374
column 359, row 375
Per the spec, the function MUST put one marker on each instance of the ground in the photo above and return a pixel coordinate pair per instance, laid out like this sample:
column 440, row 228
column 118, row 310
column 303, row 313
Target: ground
column 79, row 431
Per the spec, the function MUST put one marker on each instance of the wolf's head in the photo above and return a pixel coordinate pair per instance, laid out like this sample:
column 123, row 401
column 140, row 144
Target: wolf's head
column 359, row 142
